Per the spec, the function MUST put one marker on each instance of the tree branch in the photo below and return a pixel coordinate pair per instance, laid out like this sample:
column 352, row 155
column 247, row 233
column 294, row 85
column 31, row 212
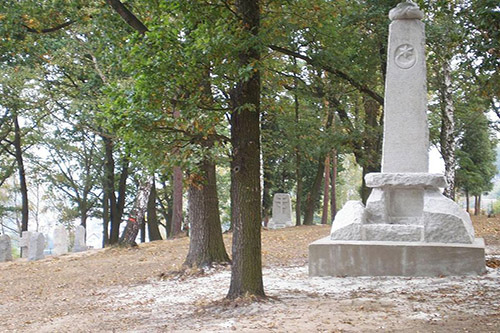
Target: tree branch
column 128, row 16
column 48, row 30
column 361, row 87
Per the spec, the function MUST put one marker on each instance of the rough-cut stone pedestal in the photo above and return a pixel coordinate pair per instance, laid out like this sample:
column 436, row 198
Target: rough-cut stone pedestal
column 371, row 258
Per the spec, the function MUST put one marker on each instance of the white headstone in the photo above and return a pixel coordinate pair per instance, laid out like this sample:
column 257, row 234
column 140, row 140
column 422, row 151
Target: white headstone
column 36, row 246
column 282, row 211
column 24, row 242
column 5, row 248
column 80, row 244
column 60, row 240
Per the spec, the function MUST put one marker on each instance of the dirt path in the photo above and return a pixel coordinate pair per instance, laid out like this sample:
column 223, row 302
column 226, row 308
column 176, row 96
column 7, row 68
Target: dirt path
column 121, row 290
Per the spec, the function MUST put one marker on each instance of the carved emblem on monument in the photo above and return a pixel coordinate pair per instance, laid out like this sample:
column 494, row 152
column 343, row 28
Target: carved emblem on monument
column 405, row 56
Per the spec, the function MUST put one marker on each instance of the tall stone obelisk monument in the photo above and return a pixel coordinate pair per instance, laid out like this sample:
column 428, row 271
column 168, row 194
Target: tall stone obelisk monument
column 407, row 227
column 406, row 134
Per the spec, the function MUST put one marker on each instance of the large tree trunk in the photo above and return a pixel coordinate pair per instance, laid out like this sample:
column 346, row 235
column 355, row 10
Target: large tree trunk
column 22, row 174
column 448, row 132
column 206, row 244
column 153, row 229
column 246, row 270
column 326, row 192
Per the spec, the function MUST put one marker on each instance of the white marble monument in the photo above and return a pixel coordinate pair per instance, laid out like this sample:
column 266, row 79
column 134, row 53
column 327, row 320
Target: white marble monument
column 407, row 227
column 80, row 244
column 282, row 211
column 60, row 237
column 5, row 248
column 36, row 246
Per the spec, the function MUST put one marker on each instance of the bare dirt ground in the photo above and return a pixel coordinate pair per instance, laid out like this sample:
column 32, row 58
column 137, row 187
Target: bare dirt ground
column 139, row 290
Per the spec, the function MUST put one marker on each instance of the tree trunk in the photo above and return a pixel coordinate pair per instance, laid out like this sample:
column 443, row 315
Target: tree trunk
column 206, row 244
column 105, row 220
column 326, row 192
column 109, row 189
column 143, row 230
column 298, row 173
column 372, row 143
column 448, row 132
column 22, row 174
column 298, row 203
column 136, row 217
column 313, row 195
column 83, row 213
column 246, row 270
column 333, row 204
column 467, row 201
column 177, row 203
column 153, row 229
column 267, row 200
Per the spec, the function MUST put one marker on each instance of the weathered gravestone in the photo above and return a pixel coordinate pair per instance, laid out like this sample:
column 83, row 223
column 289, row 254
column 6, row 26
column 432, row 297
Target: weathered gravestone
column 79, row 244
column 407, row 227
column 36, row 246
column 60, row 240
column 5, row 248
column 282, row 211
column 24, row 242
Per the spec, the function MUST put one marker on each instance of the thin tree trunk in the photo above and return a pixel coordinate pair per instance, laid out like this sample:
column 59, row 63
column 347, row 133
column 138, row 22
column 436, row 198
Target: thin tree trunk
column 333, row 196
column 143, row 230
column 109, row 188
column 136, row 217
column 177, row 194
column 298, row 203
column 298, row 172
column 313, row 195
column 22, row 174
column 105, row 220
column 326, row 192
column 177, row 203
column 153, row 229
column 246, row 270
column 372, row 143
column 448, row 131
column 467, row 201
column 206, row 244
column 476, row 205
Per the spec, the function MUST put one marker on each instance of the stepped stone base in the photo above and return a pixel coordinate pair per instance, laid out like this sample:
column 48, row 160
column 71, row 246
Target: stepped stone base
column 385, row 258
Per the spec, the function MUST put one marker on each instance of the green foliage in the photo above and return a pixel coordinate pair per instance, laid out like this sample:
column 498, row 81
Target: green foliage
column 476, row 155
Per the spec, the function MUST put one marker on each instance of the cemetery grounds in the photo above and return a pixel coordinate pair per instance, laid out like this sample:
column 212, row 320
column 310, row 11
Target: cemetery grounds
column 144, row 289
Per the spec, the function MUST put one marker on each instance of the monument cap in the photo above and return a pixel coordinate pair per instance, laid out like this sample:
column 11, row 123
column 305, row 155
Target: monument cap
column 407, row 10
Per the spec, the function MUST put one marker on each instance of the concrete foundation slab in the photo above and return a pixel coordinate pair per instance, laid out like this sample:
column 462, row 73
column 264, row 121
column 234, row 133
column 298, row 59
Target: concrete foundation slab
column 378, row 258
